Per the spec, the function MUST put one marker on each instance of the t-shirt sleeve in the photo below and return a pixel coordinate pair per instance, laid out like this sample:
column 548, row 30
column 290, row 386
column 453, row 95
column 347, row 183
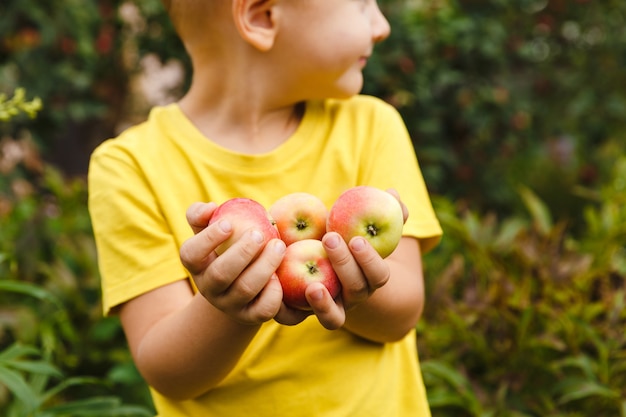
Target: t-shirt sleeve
column 136, row 249
column 393, row 164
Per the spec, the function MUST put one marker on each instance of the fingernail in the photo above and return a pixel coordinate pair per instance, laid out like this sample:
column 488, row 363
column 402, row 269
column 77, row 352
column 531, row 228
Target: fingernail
column 257, row 236
column 225, row 226
column 317, row 295
column 332, row 241
column 279, row 246
column 358, row 243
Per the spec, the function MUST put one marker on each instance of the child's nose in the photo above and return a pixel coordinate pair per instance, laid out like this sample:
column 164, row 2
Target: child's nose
column 380, row 25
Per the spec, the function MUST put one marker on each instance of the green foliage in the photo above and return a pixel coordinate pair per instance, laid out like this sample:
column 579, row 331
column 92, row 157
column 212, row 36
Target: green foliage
column 9, row 108
column 497, row 92
column 525, row 320
column 61, row 51
column 67, row 53
column 29, row 377
column 51, row 328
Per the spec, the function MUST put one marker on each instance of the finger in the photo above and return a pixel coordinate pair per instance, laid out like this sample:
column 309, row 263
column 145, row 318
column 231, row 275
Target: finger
column 266, row 305
column 199, row 214
column 227, row 267
column 355, row 288
column 329, row 312
column 405, row 210
column 197, row 252
column 394, row 193
column 291, row 316
column 252, row 280
column 375, row 269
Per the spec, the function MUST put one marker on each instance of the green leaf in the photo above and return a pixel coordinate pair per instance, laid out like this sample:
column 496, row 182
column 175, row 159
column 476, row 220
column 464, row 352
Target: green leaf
column 19, row 387
column 66, row 384
column 17, row 350
column 585, row 389
column 581, row 362
column 456, row 380
column 29, row 289
column 35, row 367
column 445, row 372
column 95, row 407
column 509, row 230
column 538, row 210
column 442, row 398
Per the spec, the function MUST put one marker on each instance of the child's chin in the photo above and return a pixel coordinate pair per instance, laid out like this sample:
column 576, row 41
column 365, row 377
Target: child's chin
column 349, row 92
column 351, row 86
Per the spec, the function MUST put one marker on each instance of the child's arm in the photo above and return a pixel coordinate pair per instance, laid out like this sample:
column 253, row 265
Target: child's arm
column 182, row 344
column 383, row 298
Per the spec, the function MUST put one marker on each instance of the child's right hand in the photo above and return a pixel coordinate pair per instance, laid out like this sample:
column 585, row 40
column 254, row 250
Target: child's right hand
column 241, row 282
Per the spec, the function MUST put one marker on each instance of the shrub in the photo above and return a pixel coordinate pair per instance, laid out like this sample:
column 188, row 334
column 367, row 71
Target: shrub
column 51, row 328
column 525, row 320
column 500, row 92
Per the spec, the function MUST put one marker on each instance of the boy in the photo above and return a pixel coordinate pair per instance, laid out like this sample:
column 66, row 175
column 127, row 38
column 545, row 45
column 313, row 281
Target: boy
column 272, row 109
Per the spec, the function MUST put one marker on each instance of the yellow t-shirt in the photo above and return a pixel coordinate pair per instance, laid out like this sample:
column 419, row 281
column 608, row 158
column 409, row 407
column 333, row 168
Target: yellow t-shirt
column 140, row 185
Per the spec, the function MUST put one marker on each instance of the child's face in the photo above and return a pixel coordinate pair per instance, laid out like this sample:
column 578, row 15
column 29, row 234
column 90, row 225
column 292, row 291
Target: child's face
column 327, row 43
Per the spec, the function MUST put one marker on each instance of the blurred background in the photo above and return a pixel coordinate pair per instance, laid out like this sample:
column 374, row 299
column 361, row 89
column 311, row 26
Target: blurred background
column 517, row 110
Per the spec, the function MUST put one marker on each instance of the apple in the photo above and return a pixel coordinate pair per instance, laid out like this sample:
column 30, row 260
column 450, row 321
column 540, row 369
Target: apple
column 244, row 214
column 299, row 216
column 305, row 261
column 369, row 212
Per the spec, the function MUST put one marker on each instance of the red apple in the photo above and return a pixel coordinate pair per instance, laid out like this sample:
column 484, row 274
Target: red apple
column 244, row 214
column 369, row 212
column 299, row 216
column 305, row 261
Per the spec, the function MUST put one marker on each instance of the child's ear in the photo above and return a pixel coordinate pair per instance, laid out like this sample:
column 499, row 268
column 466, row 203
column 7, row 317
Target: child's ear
column 256, row 22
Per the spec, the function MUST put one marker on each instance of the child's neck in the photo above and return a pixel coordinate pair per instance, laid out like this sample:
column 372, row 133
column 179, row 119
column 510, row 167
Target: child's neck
column 240, row 125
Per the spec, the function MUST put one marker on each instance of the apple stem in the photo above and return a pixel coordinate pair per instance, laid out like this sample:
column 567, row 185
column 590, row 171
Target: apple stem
column 312, row 267
column 372, row 230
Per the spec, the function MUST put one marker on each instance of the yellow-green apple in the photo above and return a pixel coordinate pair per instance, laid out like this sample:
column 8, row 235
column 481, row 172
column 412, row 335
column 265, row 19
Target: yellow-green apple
column 305, row 261
column 369, row 212
column 244, row 214
column 299, row 216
